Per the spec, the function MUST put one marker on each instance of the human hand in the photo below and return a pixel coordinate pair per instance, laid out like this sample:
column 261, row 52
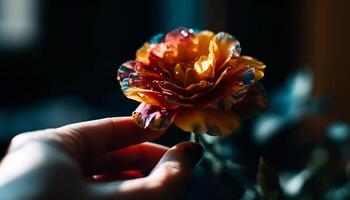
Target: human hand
column 92, row 160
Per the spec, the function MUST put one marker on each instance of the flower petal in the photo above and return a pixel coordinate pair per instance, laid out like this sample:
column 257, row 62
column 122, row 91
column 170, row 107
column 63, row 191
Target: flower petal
column 189, row 91
column 142, row 54
column 191, row 77
column 141, row 87
column 253, row 103
column 145, row 96
column 183, row 43
column 209, row 120
column 125, row 70
column 179, row 46
column 239, row 75
column 204, row 38
column 205, row 66
column 153, row 117
column 224, row 46
column 179, row 74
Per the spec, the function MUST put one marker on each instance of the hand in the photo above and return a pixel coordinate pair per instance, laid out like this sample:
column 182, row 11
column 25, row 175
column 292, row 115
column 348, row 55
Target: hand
column 92, row 160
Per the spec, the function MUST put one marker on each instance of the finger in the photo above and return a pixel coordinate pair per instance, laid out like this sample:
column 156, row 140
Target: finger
column 168, row 180
column 116, row 176
column 174, row 170
column 143, row 157
column 93, row 138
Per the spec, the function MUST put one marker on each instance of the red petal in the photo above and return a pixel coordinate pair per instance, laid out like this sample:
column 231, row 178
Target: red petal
column 153, row 117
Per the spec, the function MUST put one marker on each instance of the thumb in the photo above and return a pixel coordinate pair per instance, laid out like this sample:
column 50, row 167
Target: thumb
column 174, row 170
column 168, row 180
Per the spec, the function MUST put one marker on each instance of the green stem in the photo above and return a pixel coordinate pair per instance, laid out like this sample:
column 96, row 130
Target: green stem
column 195, row 137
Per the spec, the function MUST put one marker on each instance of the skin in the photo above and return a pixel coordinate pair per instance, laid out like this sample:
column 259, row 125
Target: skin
column 102, row 159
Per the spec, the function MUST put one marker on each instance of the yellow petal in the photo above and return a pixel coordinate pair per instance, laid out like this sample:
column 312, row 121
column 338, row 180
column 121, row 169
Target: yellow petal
column 204, row 38
column 205, row 66
column 209, row 120
column 221, row 48
column 258, row 75
column 144, row 96
column 142, row 54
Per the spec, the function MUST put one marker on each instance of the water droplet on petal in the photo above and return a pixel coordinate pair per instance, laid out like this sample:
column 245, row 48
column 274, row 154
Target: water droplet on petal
column 125, row 84
column 184, row 33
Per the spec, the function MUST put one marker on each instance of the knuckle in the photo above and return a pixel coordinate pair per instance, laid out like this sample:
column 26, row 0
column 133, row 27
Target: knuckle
column 24, row 138
column 19, row 139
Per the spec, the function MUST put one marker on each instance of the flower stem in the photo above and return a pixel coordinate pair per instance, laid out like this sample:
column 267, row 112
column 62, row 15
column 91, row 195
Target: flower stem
column 195, row 137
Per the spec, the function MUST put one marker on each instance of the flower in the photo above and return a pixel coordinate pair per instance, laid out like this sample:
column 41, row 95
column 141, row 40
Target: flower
column 195, row 79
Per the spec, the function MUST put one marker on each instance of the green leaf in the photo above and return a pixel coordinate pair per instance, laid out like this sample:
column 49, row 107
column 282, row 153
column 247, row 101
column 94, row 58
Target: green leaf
column 268, row 183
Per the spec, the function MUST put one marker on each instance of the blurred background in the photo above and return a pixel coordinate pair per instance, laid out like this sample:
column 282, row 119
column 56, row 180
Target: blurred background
column 58, row 59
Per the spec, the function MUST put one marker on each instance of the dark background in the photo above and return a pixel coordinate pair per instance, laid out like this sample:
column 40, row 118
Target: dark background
column 65, row 72
column 58, row 64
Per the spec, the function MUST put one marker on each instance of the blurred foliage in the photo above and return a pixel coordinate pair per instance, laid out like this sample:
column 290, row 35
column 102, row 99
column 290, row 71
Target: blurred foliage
column 307, row 157
column 268, row 182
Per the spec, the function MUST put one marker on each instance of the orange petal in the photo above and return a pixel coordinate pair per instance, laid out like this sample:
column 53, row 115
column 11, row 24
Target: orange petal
column 145, row 96
column 188, row 92
column 179, row 74
column 142, row 54
column 242, row 72
column 204, row 38
column 191, row 77
column 221, row 48
column 249, row 63
column 210, row 121
column 224, row 46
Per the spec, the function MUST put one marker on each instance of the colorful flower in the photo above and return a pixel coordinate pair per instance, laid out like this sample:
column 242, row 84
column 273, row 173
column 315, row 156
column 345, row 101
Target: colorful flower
column 195, row 79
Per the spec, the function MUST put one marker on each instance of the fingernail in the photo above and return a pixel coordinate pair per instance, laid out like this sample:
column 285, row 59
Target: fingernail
column 194, row 153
